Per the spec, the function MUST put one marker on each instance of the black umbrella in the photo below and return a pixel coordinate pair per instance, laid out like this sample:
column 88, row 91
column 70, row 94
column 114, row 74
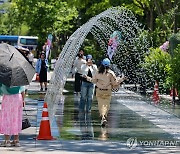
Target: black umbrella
column 15, row 70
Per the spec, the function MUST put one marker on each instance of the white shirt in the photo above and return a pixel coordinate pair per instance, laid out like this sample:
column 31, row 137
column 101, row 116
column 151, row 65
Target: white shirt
column 77, row 65
column 85, row 68
column 31, row 57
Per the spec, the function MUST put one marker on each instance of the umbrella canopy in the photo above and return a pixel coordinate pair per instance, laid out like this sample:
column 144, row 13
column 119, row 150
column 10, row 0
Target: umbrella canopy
column 15, row 70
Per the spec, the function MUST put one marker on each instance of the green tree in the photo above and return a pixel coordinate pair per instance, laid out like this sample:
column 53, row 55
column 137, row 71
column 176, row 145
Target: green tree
column 91, row 46
column 8, row 24
column 44, row 17
column 156, row 64
column 157, row 15
column 174, row 70
column 88, row 8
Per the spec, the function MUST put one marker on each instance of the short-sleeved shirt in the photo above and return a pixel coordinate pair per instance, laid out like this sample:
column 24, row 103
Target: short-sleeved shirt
column 106, row 80
column 4, row 90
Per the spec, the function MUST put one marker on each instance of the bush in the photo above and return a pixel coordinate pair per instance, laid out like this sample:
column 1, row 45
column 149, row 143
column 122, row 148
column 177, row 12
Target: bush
column 174, row 70
column 156, row 64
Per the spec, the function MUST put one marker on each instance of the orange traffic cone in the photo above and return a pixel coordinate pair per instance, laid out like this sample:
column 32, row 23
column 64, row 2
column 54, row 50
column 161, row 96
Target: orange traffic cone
column 156, row 98
column 45, row 131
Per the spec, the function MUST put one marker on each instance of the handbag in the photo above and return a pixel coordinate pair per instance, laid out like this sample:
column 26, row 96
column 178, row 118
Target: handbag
column 25, row 122
column 37, row 77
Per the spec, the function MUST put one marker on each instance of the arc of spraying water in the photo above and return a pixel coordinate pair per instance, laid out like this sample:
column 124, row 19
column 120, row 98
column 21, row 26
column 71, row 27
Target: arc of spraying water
column 101, row 27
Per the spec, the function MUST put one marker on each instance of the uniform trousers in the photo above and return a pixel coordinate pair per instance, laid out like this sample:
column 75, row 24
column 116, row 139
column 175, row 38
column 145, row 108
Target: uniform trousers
column 104, row 99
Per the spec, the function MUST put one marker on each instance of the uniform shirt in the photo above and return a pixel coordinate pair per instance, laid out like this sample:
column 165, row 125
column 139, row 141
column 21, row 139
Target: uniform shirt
column 106, row 80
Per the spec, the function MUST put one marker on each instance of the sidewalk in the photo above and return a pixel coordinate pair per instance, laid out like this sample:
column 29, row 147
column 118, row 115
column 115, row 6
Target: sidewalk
column 160, row 118
column 131, row 100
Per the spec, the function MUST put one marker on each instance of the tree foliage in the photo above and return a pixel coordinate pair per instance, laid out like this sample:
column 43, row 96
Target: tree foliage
column 61, row 18
column 8, row 23
column 157, row 66
column 45, row 16
column 174, row 70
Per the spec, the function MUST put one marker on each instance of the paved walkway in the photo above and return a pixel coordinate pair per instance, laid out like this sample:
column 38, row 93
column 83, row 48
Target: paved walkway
column 159, row 118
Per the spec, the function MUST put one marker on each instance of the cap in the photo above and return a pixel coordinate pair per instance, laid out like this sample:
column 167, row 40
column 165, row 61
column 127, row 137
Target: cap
column 88, row 57
column 106, row 62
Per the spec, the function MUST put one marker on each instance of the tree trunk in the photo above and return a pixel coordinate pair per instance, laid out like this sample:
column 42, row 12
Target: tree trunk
column 158, row 7
column 151, row 22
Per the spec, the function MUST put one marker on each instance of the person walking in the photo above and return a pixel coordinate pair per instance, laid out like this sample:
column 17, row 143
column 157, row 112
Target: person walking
column 105, row 80
column 41, row 70
column 87, row 91
column 11, row 114
column 77, row 70
column 87, row 88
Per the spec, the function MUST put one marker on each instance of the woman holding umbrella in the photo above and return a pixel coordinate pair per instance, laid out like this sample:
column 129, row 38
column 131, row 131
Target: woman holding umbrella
column 15, row 72
column 11, row 114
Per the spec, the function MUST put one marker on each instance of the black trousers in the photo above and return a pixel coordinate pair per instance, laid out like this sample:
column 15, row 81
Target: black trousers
column 78, row 82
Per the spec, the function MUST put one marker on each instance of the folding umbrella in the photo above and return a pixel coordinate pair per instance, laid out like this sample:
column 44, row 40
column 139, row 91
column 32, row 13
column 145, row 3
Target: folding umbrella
column 15, row 70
